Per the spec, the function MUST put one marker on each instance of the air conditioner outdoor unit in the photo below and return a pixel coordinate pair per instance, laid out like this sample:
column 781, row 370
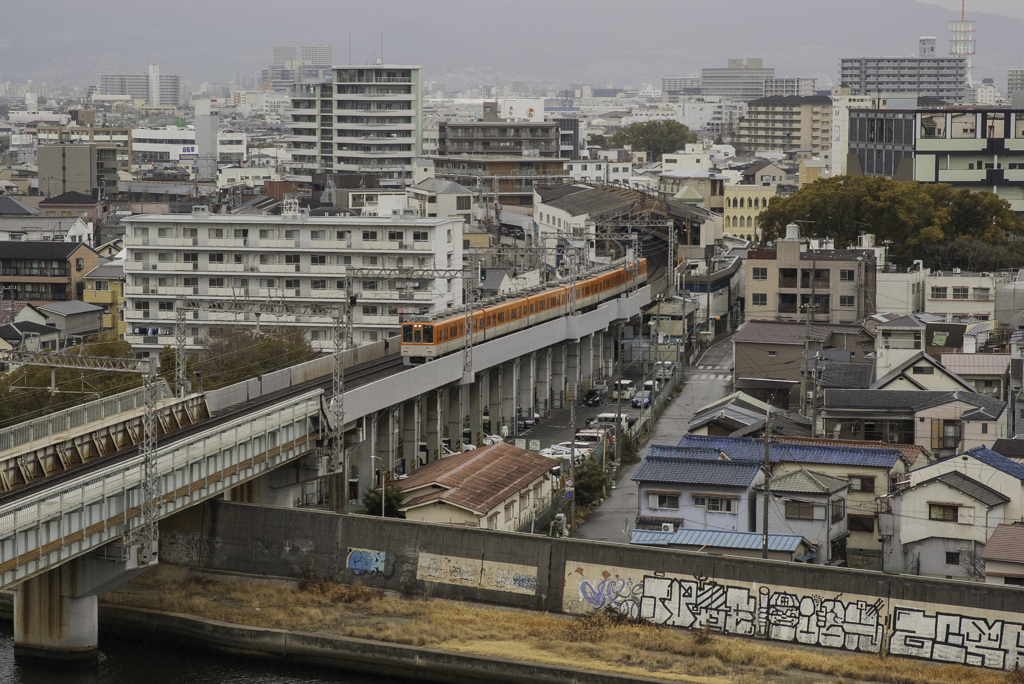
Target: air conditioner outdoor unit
column 668, row 527
column 893, row 439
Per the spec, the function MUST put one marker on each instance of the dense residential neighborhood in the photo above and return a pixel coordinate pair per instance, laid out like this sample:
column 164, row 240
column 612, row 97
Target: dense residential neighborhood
column 730, row 344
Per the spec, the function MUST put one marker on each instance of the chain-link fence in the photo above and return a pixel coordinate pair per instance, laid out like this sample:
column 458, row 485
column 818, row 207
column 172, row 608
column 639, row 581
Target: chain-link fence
column 537, row 520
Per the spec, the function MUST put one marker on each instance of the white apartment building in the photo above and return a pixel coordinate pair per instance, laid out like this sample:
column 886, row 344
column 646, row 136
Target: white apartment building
column 960, row 296
column 293, row 256
column 599, row 171
column 366, row 119
column 842, row 103
column 179, row 144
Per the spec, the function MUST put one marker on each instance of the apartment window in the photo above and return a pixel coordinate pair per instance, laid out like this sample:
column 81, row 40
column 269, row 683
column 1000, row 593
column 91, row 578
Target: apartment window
column 713, row 504
column 291, row 235
column 369, row 336
column 141, row 306
column 449, row 235
column 165, row 306
column 79, row 264
column 862, row 483
column 846, row 275
column 318, row 235
column 188, row 257
column 216, row 233
column 370, row 285
column 318, row 284
column 217, row 258
column 860, row 523
column 760, row 274
column 759, row 299
column 509, row 511
column 944, row 513
column 799, row 510
column 961, row 293
column 291, row 259
column 268, row 282
column 292, row 284
column 318, row 259
column 343, row 234
column 102, row 285
column 846, row 301
column 216, row 282
column 371, row 311
column 265, row 233
column 924, row 370
column 938, row 293
column 396, row 235
column 984, row 428
column 952, row 558
column 838, row 509
column 771, row 353
column 982, row 294
column 238, row 258
column 420, row 236
column 369, row 260
column 462, row 203
column 369, row 235
column 191, row 282
column 657, row 502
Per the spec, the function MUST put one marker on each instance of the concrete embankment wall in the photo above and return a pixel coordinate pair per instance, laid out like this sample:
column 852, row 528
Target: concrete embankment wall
column 941, row 621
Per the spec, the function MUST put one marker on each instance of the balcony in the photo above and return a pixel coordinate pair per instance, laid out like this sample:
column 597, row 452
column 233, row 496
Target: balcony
column 36, row 272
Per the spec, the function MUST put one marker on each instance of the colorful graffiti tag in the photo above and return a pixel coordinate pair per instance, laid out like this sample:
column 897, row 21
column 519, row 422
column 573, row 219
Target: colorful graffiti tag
column 519, row 579
column 369, row 562
column 852, row 623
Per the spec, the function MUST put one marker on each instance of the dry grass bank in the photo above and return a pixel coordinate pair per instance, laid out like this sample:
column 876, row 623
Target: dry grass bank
column 599, row 641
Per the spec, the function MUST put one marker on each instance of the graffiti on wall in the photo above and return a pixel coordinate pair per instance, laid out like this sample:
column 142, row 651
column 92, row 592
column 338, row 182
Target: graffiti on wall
column 369, row 562
column 518, row 579
column 191, row 548
column 848, row 622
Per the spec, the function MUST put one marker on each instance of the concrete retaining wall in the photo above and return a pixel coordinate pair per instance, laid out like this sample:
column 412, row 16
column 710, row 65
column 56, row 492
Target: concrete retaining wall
column 941, row 621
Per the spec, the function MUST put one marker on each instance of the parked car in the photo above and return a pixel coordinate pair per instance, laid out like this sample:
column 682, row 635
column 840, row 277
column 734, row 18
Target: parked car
column 642, row 399
column 526, row 422
column 593, row 398
column 491, row 439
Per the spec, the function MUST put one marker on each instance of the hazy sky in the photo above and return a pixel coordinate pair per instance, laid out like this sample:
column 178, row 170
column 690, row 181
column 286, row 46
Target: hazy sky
column 463, row 43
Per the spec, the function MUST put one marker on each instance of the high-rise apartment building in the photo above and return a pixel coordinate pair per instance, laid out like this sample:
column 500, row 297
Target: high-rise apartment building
column 784, row 123
column 283, row 53
column 740, row 80
column 1015, row 81
column 943, row 77
column 152, row 87
column 365, row 119
column 322, row 54
column 802, row 87
column 675, row 84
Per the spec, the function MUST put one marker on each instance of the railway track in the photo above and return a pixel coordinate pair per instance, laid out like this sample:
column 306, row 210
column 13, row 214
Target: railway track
column 355, row 376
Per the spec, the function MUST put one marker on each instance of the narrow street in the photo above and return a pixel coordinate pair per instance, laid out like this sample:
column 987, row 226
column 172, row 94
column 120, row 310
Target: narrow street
column 706, row 381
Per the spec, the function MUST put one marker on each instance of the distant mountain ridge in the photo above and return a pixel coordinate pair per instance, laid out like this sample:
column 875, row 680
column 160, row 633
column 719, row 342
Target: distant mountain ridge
column 466, row 42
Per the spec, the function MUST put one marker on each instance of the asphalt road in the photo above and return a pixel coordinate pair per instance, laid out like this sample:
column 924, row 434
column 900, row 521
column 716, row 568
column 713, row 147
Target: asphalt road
column 706, row 381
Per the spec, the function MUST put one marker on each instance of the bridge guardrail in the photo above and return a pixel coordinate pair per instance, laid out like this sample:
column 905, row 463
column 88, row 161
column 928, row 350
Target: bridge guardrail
column 45, row 426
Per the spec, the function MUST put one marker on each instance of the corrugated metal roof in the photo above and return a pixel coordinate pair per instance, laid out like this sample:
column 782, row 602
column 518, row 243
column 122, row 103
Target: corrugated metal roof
column 69, row 308
column 696, row 471
column 747, row 449
column 976, row 364
column 717, row 539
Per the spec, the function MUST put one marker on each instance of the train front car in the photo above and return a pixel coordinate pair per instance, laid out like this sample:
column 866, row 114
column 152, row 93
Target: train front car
column 418, row 343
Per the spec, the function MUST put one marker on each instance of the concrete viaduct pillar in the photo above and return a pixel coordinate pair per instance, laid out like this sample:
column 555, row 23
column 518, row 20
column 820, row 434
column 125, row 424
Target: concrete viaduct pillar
column 410, row 434
column 494, row 380
column 586, row 361
column 55, row 613
column 542, row 380
column 509, row 395
column 527, row 377
column 385, row 443
column 432, row 425
column 476, row 409
column 572, row 371
column 453, row 415
column 558, row 354
column 608, row 354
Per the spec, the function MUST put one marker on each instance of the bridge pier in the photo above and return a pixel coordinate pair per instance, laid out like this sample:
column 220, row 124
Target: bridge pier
column 508, row 395
column 543, row 380
column 55, row 613
column 586, row 356
column 558, row 383
column 453, row 415
column 410, row 433
column 432, row 428
column 572, row 371
column 608, row 354
column 527, row 377
column 476, row 417
column 494, row 399
column 384, row 421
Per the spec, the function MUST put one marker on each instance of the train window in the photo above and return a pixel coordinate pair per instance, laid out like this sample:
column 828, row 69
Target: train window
column 416, row 336
column 428, row 334
column 406, row 333
column 501, row 317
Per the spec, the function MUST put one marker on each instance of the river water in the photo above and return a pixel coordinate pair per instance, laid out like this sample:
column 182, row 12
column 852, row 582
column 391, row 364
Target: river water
column 135, row 662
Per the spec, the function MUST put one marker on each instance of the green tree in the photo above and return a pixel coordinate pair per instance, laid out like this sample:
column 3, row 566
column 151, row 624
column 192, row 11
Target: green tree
column 627, row 449
column 591, row 483
column 393, row 498
column 232, row 356
column 919, row 220
column 598, row 140
column 656, row 137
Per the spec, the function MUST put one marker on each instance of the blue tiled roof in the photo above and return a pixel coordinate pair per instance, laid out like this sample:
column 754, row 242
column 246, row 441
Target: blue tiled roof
column 748, row 449
column 998, row 461
column 720, row 539
column 696, row 471
column 665, row 451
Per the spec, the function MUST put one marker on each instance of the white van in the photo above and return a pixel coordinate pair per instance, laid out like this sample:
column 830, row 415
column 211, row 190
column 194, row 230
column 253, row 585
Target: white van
column 623, row 389
column 607, row 421
column 652, row 386
column 663, row 370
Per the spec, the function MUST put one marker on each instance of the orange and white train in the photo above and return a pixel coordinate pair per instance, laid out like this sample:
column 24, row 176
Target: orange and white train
column 428, row 340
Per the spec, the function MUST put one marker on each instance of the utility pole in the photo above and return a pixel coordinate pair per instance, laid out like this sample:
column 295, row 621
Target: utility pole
column 572, row 464
column 767, row 480
column 805, row 366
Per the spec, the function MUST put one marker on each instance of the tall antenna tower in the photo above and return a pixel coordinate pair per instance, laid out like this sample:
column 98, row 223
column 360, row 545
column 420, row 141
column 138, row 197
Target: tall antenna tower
column 961, row 40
